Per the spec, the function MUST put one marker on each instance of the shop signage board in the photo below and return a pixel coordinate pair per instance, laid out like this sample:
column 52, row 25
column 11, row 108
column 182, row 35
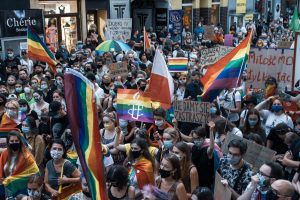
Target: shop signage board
column 14, row 22
column 175, row 20
column 119, row 9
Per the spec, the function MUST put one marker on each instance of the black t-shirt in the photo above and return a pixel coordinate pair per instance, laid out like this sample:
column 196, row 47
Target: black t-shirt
column 204, row 165
column 295, row 149
column 278, row 144
column 58, row 126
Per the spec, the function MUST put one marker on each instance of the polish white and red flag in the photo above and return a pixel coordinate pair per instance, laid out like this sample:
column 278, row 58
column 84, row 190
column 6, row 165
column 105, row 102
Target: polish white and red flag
column 161, row 85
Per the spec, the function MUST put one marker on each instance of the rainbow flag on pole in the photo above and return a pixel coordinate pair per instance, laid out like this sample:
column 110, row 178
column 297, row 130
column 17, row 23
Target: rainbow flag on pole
column 226, row 72
column 83, row 119
column 177, row 64
column 38, row 50
column 134, row 107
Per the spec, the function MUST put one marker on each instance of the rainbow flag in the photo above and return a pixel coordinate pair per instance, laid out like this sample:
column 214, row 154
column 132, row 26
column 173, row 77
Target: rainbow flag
column 16, row 183
column 177, row 64
column 37, row 49
column 83, row 118
column 226, row 72
column 134, row 107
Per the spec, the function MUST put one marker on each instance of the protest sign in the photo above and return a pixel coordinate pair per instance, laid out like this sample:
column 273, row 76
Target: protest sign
column 284, row 44
column 192, row 111
column 210, row 56
column 221, row 192
column 119, row 28
column 228, row 40
column 208, row 32
column 240, row 6
column 256, row 154
column 263, row 63
column 296, row 71
column 118, row 69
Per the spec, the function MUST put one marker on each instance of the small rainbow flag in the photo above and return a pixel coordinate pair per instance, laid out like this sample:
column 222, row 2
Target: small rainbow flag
column 177, row 64
column 227, row 71
column 134, row 107
column 37, row 49
column 83, row 118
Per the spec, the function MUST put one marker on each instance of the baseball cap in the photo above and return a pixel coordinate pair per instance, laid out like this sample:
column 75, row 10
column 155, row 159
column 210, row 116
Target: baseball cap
column 54, row 107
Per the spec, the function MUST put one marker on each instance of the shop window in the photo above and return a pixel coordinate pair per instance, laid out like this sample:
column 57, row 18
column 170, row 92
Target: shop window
column 56, row 7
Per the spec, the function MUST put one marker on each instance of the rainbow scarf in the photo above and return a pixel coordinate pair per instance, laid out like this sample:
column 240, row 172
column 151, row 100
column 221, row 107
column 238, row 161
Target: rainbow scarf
column 226, row 72
column 85, row 131
column 16, row 183
column 134, row 107
column 177, row 64
column 38, row 50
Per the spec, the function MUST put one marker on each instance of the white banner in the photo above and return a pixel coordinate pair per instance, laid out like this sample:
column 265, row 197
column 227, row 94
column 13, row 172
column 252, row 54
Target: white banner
column 263, row 63
column 119, row 29
column 119, row 9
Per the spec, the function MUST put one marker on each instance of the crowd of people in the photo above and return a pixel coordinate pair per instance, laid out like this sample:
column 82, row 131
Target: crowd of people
column 166, row 159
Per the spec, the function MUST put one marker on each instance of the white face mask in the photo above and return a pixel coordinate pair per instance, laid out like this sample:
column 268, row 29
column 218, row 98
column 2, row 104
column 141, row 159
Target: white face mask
column 11, row 113
column 35, row 194
column 27, row 90
column 55, row 154
column 159, row 122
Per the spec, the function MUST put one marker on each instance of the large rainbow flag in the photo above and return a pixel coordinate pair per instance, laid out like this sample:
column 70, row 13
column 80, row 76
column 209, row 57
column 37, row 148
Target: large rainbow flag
column 37, row 49
column 85, row 131
column 134, row 107
column 226, row 72
column 177, row 64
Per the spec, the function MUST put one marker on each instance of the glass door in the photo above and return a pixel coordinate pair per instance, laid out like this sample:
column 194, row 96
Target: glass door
column 52, row 32
column 69, row 31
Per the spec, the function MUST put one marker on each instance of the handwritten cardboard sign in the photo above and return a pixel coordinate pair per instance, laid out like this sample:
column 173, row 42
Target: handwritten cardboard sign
column 256, row 154
column 210, row 56
column 119, row 28
column 208, row 32
column 263, row 63
column 221, row 192
column 118, row 69
column 192, row 111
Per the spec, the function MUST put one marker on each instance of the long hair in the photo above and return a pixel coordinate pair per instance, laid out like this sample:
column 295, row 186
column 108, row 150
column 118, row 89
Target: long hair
column 10, row 153
column 144, row 149
column 186, row 162
column 175, row 164
column 257, row 127
column 173, row 133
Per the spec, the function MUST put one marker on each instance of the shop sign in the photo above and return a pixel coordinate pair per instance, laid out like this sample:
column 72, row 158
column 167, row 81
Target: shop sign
column 248, row 17
column 15, row 22
column 161, row 18
column 119, row 9
column 240, row 6
column 175, row 20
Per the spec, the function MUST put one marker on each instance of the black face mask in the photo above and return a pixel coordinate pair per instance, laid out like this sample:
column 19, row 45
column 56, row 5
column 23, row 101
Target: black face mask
column 271, row 196
column 196, row 82
column 164, row 173
column 106, row 84
column 129, row 79
column 136, row 154
column 14, row 146
column 87, row 194
column 2, row 103
column 142, row 88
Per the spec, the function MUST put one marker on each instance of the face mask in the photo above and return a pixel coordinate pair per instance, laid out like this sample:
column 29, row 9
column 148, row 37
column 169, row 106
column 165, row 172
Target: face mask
column 198, row 142
column 129, row 79
column 262, row 181
column 25, row 130
column 10, row 55
column 59, row 70
column 59, row 83
column 178, row 156
column 87, row 194
column 159, row 123
column 62, row 46
column 34, row 85
column 112, row 93
column 276, row 108
column 182, row 82
column 115, row 105
column 27, row 90
column 191, row 63
column 34, row 193
column 11, row 113
column 168, row 144
column 164, row 173
column 109, row 126
column 271, row 196
column 44, row 87
column 14, row 146
column 234, row 160
column 135, row 154
column 213, row 110
column 123, row 123
column 196, row 82
column 252, row 122
column 142, row 88
column 56, row 116
column 19, row 90
column 80, row 46
column 37, row 100
column 23, row 109
column 56, row 154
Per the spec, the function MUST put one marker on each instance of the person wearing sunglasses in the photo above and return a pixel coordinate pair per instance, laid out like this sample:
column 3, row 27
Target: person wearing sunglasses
column 281, row 190
column 261, row 182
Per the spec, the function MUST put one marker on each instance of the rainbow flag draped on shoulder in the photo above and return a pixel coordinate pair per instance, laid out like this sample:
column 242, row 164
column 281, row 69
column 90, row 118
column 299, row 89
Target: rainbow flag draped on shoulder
column 16, row 183
column 134, row 107
column 85, row 131
column 177, row 64
column 38, row 50
column 226, row 72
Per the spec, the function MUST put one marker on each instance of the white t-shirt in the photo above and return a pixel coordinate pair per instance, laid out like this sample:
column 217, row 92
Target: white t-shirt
column 38, row 110
column 229, row 103
column 272, row 120
column 29, row 64
column 99, row 94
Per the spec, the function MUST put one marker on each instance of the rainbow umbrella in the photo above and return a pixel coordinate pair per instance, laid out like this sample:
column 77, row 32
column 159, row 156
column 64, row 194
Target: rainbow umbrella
column 112, row 45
